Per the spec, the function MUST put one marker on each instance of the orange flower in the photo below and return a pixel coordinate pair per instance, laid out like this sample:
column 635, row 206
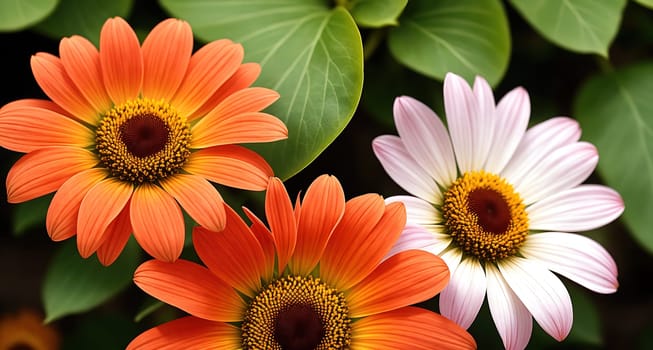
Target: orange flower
column 321, row 277
column 133, row 131
column 25, row 330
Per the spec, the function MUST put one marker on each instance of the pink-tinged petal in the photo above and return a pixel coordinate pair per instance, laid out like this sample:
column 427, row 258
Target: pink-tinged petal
column 116, row 238
column 511, row 121
column 538, row 142
column 100, row 206
column 404, row 279
column 246, row 74
column 576, row 257
column 237, row 120
column 543, row 294
column 452, row 257
column 51, row 76
column 231, row 165
column 157, row 222
column 189, row 333
column 280, row 216
column 322, row 209
column 45, row 170
column 364, row 235
column 417, row 237
column 409, row 328
column 484, row 122
column 61, row 219
column 81, row 60
column 166, row 55
column 581, row 208
column 199, row 199
column 461, row 109
column 403, row 169
column 233, row 254
column 419, row 211
column 25, row 129
column 121, row 60
column 425, row 138
column 192, row 288
column 209, row 67
column 266, row 240
column 564, row 168
column 512, row 319
column 463, row 297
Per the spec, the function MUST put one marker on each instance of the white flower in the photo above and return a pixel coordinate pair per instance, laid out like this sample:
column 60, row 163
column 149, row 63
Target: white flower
column 501, row 203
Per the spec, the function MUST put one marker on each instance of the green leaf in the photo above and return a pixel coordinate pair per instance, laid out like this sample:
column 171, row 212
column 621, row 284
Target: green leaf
column 73, row 285
column 376, row 13
column 467, row 37
column 105, row 331
column 310, row 54
column 82, row 17
column 586, row 26
column 646, row 3
column 30, row 215
column 615, row 111
column 20, row 14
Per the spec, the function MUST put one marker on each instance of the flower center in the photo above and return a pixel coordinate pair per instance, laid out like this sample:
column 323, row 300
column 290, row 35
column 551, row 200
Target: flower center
column 143, row 140
column 485, row 216
column 297, row 313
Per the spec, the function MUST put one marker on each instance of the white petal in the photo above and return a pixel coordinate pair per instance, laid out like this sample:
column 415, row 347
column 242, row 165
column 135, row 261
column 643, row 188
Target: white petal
column 452, row 257
column 483, row 122
column 418, row 211
column 511, row 317
column 461, row 110
column 576, row 257
column 416, row 237
column 582, row 208
column 538, row 142
column 564, row 168
column 543, row 294
column 403, row 169
column 425, row 138
column 461, row 300
column 511, row 121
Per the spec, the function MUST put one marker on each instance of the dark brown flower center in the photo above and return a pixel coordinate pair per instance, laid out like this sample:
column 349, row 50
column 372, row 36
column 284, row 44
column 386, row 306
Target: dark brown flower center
column 491, row 209
column 144, row 135
column 298, row 327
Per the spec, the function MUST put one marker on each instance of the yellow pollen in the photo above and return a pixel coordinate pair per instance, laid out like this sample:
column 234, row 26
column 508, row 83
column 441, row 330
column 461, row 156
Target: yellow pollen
column 143, row 140
column 294, row 313
column 485, row 216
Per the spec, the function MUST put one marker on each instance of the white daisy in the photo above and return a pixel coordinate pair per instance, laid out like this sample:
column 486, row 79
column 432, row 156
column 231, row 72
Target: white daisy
column 500, row 202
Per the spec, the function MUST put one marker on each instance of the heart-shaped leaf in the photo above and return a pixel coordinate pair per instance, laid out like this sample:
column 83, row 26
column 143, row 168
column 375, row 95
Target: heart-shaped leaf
column 615, row 111
column 311, row 54
column 467, row 37
column 586, row 26
column 376, row 13
column 20, row 14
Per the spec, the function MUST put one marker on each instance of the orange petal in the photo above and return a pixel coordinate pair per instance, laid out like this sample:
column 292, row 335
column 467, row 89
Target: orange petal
column 231, row 165
column 355, row 244
column 36, row 103
column 81, row 60
column 322, row 209
column 252, row 127
column 98, row 209
column 121, row 60
column 198, row 197
column 190, row 287
column 246, row 74
column 278, row 210
column 233, row 254
column 266, row 240
column 45, row 170
column 61, row 220
column 406, row 278
column 157, row 222
column 189, row 333
column 51, row 76
column 209, row 68
column 409, row 328
column 25, row 129
column 166, row 54
column 116, row 238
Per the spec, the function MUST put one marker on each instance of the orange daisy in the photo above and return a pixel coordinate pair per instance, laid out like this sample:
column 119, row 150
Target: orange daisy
column 320, row 277
column 133, row 131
